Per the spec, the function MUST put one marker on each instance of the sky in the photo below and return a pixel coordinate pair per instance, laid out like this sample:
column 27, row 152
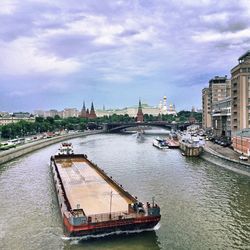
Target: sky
column 55, row 54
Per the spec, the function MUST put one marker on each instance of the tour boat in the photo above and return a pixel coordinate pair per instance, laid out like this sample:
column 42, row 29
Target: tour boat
column 160, row 143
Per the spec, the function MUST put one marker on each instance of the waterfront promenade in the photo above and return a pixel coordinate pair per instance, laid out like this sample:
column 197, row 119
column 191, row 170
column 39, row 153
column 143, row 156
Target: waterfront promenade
column 226, row 158
column 224, row 152
column 21, row 150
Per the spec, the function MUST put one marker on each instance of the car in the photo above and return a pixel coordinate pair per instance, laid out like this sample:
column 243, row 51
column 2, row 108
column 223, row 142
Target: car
column 243, row 158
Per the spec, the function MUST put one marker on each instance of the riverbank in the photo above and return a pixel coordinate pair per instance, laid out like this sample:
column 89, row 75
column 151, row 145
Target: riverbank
column 19, row 151
column 226, row 158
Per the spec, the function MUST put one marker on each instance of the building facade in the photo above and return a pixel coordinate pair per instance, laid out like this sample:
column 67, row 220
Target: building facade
column 70, row 112
column 221, row 118
column 10, row 120
column 240, row 92
column 206, row 109
column 241, row 142
column 219, row 89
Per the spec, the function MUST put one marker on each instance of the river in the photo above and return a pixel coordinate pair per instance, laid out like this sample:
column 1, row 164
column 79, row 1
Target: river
column 202, row 206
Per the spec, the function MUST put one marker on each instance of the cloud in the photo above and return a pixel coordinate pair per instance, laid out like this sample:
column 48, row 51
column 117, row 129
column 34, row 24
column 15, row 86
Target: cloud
column 7, row 7
column 22, row 57
column 209, row 36
column 93, row 45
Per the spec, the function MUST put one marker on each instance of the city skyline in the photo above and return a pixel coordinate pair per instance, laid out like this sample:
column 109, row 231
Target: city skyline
column 54, row 55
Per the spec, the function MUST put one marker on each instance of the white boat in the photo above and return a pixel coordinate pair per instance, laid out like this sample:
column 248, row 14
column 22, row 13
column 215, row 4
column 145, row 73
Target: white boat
column 160, row 143
column 66, row 149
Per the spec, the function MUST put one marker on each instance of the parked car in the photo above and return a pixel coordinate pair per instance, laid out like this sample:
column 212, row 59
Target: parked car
column 243, row 158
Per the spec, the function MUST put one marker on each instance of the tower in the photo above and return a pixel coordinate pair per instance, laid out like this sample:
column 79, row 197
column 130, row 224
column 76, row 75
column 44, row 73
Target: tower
column 139, row 117
column 83, row 113
column 165, row 103
column 92, row 114
column 87, row 113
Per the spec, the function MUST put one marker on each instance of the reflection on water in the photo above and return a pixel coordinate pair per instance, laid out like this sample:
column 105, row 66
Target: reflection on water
column 203, row 206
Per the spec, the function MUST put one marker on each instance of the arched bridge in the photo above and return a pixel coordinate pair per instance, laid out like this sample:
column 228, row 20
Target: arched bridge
column 119, row 126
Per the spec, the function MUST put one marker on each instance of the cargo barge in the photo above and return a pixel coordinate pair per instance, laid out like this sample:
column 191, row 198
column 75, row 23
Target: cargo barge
column 92, row 203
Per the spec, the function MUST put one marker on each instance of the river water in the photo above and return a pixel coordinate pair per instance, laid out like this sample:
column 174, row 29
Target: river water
column 203, row 206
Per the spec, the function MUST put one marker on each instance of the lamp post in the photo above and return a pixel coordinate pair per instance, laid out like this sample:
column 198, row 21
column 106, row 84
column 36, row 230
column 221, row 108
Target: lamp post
column 110, row 205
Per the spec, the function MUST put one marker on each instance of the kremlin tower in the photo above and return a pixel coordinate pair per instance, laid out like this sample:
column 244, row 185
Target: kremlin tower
column 92, row 114
column 83, row 113
column 139, row 117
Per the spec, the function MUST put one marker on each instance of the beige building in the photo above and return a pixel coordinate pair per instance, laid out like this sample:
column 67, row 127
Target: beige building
column 240, row 92
column 9, row 120
column 132, row 111
column 206, row 108
column 70, row 112
column 219, row 89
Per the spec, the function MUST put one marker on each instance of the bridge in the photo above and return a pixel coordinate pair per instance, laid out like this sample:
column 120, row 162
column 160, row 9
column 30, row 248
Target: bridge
column 119, row 126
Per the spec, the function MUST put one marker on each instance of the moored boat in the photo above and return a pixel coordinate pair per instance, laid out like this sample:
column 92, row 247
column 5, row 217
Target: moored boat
column 160, row 143
column 92, row 203
column 66, row 148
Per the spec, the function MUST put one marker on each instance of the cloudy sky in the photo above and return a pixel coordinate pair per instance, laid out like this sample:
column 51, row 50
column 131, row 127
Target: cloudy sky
column 55, row 54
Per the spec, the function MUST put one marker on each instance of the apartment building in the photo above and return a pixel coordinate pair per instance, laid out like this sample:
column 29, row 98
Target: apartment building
column 206, row 108
column 240, row 91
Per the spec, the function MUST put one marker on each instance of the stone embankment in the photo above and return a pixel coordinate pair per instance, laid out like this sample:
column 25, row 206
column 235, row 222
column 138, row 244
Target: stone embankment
column 14, row 153
column 226, row 158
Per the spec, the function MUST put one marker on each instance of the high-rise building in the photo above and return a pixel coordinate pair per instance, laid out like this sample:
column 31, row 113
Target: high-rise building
column 218, row 90
column 206, row 108
column 240, row 92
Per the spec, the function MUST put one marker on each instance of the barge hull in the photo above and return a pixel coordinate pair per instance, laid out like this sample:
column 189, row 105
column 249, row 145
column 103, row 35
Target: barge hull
column 77, row 180
column 109, row 228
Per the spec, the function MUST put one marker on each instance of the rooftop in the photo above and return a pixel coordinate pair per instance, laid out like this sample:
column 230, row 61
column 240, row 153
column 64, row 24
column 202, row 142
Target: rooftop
column 218, row 79
column 246, row 54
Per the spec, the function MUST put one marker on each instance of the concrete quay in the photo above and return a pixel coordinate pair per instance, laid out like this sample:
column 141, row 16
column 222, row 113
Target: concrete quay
column 226, row 158
column 14, row 153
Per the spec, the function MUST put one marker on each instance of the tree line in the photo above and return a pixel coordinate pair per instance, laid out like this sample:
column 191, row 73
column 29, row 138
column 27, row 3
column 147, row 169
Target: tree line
column 49, row 124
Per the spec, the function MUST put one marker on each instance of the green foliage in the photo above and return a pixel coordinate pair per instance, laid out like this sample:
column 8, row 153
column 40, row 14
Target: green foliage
column 50, row 124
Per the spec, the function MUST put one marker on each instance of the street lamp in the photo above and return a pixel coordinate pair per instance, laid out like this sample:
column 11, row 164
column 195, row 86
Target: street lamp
column 110, row 205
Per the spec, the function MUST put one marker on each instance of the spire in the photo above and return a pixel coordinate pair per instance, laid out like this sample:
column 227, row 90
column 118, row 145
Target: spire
column 83, row 106
column 139, row 117
column 83, row 113
column 92, row 114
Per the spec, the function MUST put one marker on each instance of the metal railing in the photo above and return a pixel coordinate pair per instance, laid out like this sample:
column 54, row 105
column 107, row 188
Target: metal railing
column 95, row 218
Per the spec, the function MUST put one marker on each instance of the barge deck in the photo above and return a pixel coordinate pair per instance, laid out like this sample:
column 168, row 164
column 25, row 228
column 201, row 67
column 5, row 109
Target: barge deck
column 85, row 188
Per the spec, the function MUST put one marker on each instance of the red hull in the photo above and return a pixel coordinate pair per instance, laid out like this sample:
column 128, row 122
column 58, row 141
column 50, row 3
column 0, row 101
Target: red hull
column 147, row 222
